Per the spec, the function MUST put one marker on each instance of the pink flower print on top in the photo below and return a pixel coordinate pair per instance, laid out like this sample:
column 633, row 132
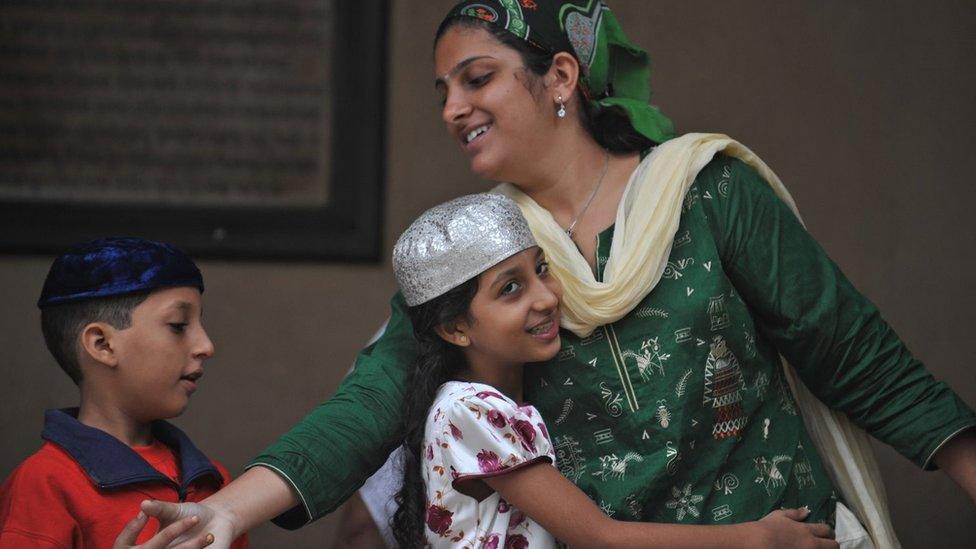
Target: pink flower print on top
column 477, row 437
column 518, row 517
column 488, row 462
column 526, row 432
column 455, row 432
column 439, row 520
column 430, row 452
column 497, row 419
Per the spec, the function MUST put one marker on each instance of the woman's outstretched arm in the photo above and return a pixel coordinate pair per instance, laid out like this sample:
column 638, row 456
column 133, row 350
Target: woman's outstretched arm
column 255, row 497
column 328, row 455
column 324, row 458
column 957, row 458
column 841, row 347
column 541, row 492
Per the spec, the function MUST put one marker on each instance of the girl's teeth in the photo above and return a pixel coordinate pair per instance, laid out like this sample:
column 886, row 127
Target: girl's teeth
column 475, row 133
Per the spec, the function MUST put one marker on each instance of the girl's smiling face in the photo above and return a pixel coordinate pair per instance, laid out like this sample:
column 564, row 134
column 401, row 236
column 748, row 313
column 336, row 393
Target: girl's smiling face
column 514, row 316
column 492, row 105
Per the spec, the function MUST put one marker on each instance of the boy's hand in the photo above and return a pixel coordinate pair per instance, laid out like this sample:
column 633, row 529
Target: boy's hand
column 785, row 528
column 212, row 529
column 127, row 538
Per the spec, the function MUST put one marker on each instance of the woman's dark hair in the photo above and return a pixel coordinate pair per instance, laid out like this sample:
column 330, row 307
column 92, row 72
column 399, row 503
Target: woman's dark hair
column 609, row 126
column 437, row 361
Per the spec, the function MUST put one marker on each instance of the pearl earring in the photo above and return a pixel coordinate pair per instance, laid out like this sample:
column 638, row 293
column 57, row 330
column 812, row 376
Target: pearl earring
column 561, row 113
column 463, row 339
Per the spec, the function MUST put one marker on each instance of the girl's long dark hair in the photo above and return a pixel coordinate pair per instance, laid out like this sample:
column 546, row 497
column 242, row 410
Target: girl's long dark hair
column 437, row 361
column 609, row 126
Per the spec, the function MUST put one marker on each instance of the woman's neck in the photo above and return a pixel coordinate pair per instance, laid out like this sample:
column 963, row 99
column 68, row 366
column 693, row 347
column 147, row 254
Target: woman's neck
column 565, row 173
column 564, row 180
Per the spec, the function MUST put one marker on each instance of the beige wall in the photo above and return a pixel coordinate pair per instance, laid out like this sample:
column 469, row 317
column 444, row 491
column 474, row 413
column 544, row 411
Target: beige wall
column 864, row 108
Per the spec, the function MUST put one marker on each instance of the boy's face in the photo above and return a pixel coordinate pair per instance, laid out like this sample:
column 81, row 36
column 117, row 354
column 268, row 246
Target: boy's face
column 160, row 355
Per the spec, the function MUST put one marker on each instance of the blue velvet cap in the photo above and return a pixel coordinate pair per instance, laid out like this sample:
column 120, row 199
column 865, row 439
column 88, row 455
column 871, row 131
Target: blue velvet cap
column 116, row 266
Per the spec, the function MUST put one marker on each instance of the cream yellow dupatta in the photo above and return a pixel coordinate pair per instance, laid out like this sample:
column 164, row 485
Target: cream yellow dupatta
column 647, row 220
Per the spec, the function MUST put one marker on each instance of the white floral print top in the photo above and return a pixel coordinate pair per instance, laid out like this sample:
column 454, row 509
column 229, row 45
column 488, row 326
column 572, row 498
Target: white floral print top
column 473, row 432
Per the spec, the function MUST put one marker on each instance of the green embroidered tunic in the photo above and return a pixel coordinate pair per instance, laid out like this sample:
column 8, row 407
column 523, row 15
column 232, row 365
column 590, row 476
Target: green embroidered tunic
column 678, row 412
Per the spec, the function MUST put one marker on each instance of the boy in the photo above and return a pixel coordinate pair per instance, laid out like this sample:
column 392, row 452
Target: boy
column 122, row 317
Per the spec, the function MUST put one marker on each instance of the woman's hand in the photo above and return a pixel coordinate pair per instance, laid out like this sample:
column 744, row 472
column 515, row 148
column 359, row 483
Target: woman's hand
column 127, row 538
column 256, row 496
column 785, row 528
column 211, row 528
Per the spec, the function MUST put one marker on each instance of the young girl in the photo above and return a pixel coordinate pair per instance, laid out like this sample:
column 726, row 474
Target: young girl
column 478, row 468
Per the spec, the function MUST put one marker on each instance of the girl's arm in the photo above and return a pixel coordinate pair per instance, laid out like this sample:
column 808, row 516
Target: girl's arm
column 541, row 492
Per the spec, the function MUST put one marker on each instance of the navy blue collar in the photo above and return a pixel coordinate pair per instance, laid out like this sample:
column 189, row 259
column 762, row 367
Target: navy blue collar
column 111, row 464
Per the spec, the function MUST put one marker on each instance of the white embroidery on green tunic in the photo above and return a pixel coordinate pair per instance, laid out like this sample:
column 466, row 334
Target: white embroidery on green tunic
column 681, row 377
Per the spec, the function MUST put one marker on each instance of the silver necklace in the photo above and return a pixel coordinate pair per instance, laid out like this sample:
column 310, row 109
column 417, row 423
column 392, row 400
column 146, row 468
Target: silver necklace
column 606, row 164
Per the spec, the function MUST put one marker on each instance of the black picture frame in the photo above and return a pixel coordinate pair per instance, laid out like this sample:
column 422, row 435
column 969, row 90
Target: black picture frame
column 347, row 229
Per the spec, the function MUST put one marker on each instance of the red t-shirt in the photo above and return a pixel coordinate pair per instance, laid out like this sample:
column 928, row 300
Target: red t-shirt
column 49, row 501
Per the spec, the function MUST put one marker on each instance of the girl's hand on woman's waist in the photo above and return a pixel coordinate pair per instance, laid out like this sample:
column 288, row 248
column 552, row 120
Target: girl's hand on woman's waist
column 785, row 528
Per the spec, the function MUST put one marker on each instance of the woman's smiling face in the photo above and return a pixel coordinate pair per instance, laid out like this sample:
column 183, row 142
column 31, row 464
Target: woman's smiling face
column 493, row 106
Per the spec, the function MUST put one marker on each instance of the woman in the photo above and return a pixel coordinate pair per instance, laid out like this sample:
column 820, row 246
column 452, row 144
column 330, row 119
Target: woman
column 688, row 378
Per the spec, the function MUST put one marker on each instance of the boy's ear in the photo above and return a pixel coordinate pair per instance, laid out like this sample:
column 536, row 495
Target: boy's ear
column 454, row 333
column 96, row 342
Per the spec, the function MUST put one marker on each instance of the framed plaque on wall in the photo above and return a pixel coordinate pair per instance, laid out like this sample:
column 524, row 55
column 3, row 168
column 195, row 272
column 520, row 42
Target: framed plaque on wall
column 232, row 129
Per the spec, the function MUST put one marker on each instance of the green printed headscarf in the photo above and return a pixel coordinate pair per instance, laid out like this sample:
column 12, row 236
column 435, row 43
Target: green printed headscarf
column 615, row 72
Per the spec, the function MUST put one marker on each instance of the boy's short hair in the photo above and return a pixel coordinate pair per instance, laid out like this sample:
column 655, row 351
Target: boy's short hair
column 62, row 324
column 103, row 281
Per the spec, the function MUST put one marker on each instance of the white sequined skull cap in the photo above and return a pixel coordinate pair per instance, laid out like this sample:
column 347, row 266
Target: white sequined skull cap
column 456, row 241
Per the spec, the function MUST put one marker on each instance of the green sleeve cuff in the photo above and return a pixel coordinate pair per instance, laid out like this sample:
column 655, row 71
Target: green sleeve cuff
column 297, row 516
column 953, row 430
